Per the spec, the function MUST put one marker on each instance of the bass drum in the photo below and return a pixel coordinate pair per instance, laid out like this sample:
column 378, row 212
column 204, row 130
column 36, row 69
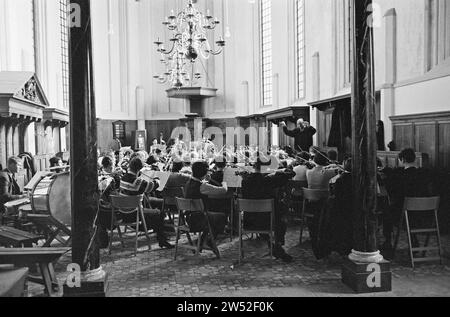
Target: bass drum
column 52, row 196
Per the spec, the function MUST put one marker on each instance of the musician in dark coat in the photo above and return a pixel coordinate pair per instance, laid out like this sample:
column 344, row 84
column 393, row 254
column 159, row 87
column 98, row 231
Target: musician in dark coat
column 406, row 181
column 303, row 134
column 260, row 186
column 198, row 188
column 9, row 189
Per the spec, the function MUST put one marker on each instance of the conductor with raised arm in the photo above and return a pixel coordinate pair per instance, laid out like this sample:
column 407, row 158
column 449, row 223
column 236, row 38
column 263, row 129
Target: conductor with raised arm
column 303, row 134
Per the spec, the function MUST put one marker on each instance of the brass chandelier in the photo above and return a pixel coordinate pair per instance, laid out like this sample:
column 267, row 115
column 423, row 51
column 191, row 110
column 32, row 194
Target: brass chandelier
column 189, row 41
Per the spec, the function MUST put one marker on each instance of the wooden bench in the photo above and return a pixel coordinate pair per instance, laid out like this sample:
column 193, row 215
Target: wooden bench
column 44, row 257
column 12, row 281
column 13, row 238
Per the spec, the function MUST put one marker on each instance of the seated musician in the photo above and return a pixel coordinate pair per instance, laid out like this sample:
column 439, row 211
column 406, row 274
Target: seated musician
column 216, row 178
column 153, row 163
column 119, row 158
column 341, row 227
column 198, row 188
column 56, row 162
column 131, row 185
column 176, row 178
column 333, row 157
column 319, row 177
column 109, row 170
column 302, row 167
column 160, row 156
column 9, row 189
column 266, row 186
column 406, row 181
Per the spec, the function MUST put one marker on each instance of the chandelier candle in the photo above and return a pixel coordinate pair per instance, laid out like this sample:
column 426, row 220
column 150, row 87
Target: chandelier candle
column 189, row 41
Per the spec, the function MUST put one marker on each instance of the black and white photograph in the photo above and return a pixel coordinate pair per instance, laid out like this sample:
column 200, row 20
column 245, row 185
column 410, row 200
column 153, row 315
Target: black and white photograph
column 220, row 156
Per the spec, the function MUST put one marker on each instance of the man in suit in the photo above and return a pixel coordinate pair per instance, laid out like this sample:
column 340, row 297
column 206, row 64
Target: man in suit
column 406, row 181
column 303, row 134
column 9, row 189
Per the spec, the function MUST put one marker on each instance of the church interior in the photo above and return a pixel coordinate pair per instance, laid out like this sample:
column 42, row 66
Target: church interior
column 90, row 90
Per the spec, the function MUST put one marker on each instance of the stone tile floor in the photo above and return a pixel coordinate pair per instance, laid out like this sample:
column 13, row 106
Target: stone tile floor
column 156, row 274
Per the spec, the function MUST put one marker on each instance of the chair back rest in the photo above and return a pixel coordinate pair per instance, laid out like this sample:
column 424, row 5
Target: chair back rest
column 171, row 193
column 256, row 206
column 126, row 204
column 315, row 195
column 422, row 204
column 190, row 205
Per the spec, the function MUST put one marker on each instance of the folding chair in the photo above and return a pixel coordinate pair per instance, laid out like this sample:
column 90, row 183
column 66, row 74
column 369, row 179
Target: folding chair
column 185, row 208
column 227, row 203
column 127, row 205
column 170, row 196
column 421, row 206
column 311, row 196
column 296, row 194
column 246, row 206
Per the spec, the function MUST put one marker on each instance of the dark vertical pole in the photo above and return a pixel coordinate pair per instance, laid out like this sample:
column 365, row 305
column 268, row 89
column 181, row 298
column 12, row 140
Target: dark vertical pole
column 83, row 132
column 364, row 130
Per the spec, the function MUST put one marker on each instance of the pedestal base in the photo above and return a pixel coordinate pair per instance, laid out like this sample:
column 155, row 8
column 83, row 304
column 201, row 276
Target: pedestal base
column 365, row 278
column 90, row 287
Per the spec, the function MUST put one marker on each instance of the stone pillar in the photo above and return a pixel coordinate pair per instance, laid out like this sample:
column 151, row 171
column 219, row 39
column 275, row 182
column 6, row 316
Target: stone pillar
column 140, row 108
column 9, row 139
column 16, row 138
column 388, row 90
column 2, row 143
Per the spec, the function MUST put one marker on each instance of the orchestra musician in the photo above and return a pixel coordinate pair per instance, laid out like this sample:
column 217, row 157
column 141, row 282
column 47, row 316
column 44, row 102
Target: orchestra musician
column 132, row 185
column 266, row 186
column 198, row 188
column 9, row 188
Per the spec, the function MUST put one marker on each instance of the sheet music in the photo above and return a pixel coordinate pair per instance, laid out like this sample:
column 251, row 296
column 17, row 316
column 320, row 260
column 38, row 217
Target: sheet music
column 17, row 203
column 36, row 179
column 149, row 176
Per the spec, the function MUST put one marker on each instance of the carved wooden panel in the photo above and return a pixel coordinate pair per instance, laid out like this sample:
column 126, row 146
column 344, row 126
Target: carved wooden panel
column 403, row 136
column 428, row 133
column 444, row 145
column 425, row 136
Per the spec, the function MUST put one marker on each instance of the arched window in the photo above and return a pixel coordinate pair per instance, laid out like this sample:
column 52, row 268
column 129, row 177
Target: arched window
column 64, row 25
column 300, row 24
column 343, row 43
column 438, row 32
column 266, row 52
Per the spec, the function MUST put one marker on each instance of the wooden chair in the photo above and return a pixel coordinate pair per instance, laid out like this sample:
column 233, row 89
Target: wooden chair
column 311, row 196
column 170, row 196
column 228, row 201
column 186, row 207
column 296, row 194
column 128, row 205
column 421, row 206
column 246, row 206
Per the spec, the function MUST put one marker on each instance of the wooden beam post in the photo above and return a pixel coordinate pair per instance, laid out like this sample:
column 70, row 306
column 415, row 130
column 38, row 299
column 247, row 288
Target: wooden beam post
column 365, row 271
column 83, row 153
column 364, row 146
